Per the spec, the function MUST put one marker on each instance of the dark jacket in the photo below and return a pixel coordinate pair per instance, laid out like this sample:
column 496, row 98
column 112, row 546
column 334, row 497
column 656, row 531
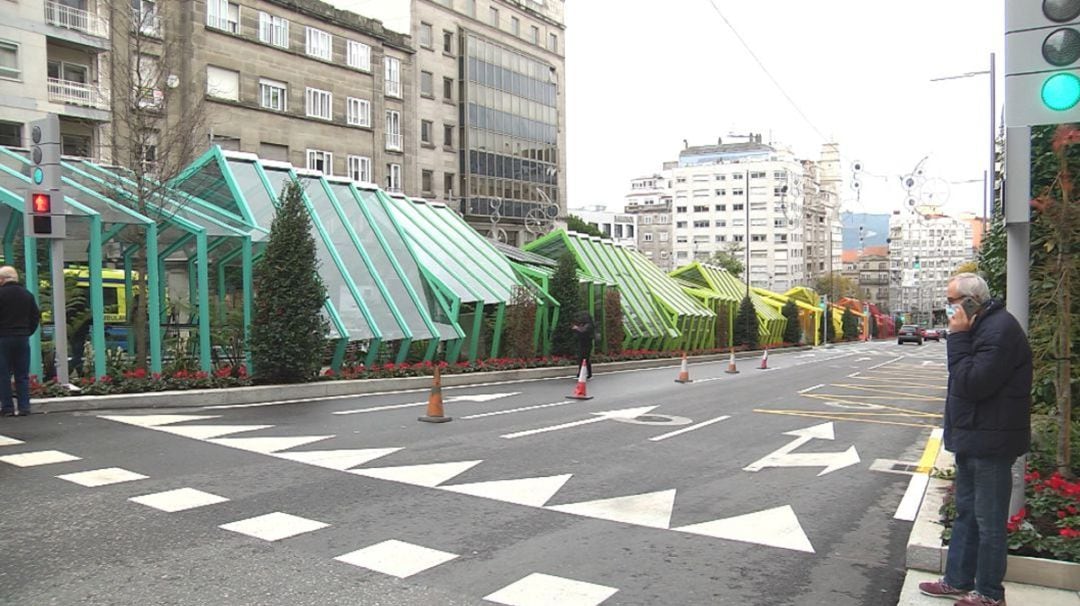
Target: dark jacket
column 19, row 313
column 988, row 407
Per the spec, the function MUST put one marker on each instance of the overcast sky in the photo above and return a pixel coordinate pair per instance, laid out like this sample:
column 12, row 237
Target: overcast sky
column 642, row 76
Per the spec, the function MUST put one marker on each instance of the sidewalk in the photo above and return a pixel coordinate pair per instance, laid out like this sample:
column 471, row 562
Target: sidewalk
column 1016, row 594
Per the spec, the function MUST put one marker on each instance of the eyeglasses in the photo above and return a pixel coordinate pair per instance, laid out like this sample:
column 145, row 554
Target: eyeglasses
column 954, row 300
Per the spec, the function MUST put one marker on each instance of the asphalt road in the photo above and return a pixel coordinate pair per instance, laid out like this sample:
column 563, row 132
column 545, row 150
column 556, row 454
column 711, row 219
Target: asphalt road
column 778, row 486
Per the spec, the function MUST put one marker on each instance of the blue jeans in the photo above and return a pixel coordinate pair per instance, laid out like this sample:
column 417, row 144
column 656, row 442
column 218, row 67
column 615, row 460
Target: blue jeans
column 979, row 545
column 15, row 360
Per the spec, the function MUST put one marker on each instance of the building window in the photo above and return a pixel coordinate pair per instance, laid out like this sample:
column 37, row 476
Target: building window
column 393, row 177
column 534, row 35
column 322, row 161
column 273, row 30
column 664, row 236
column 493, row 16
column 757, row 175
column 427, row 84
column 553, row 43
column 319, row 103
column 680, row 224
column 319, row 43
column 393, row 76
column 426, row 181
column 448, row 89
column 223, row 14
column 720, row 223
column 737, row 176
column 646, row 237
column 701, row 208
column 273, row 94
column 701, row 223
column 757, row 237
column 470, row 8
column 222, row 83
column 358, row 112
column 9, row 60
column 11, row 134
column 144, row 17
column 515, row 26
column 426, row 127
column 273, row 151
column 680, row 209
column 358, row 55
column 448, row 135
column 448, row 185
column 393, row 130
column 426, row 35
column 79, row 145
column 448, row 42
column 360, row 168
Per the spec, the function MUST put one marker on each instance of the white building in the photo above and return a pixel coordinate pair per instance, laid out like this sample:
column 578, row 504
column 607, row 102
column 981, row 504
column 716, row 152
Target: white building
column 823, row 235
column 620, row 227
column 925, row 247
column 650, row 201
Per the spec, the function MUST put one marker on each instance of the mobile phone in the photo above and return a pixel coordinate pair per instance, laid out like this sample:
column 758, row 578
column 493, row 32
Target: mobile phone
column 970, row 307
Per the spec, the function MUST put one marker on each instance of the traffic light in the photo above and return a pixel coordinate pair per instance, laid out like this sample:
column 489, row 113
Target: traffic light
column 1042, row 62
column 917, row 264
column 44, row 201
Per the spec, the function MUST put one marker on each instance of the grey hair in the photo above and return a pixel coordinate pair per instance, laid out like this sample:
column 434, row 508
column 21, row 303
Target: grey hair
column 971, row 286
column 8, row 274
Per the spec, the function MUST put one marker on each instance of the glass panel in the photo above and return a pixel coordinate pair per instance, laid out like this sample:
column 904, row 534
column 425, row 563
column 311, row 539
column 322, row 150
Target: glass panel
column 210, row 185
column 259, row 202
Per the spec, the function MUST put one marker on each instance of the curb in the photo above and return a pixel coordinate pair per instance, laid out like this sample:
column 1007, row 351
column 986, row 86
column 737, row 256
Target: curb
column 336, row 388
column 925, row 551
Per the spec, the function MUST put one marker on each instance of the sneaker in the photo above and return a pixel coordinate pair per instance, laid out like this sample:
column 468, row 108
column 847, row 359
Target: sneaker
column 977, row 599
column 941, row 589
column 23, row 413
column 7, row 413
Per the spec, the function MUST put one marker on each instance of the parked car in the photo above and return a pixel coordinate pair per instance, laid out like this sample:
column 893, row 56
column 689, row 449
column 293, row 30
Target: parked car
column 932, row 334
column 909, row 332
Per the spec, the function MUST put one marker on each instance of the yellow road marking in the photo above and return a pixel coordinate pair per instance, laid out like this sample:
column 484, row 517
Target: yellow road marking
column 839, row 417
column 915, row 413
column 824, row 396
column 876, row 390
column 892, row 381
column 929, row 455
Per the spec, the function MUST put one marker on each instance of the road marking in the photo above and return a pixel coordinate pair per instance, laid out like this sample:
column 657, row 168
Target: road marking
column 876, row 366
column 784, row 457
column 601, row 416
column 777, row 527
column 340, row 460
column 205, row 432
column 818, row 386
column 267, row 445
column 397, row 558
column 152, row 421
column 379, row 408
column 930, row 453
column 534, row 492
column 102, row 477
column 429, row 475
column 651, row 509
column 480, row 397
column 909, row 505
column 513, row 410
column 854, row 375
column 180, row 499
column 654, row 420
column 863, row 359
column 41, row 457
column 274, row 526
column 672, row 434
column 543, row 589
column 843, row 416
column 6, row 441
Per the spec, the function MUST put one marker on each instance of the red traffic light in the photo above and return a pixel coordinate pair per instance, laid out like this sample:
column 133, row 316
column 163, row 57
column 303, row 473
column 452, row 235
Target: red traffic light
column 42, row 203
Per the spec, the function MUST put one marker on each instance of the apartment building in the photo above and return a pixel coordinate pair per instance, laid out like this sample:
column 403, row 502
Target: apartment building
column 822, row 228
column 925, row 247
column 621, row 228
column 650, row 202
column 52, row 60
column 489, row 128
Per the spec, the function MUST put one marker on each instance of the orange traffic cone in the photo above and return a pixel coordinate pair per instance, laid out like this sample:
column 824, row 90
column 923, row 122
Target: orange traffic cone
column 684, row 372
column 582, row 378
column 764, row 360
column 434, row 403
column 731, row 370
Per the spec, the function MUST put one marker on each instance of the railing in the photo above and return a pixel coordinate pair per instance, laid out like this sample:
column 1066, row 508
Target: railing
column 74, row 18
column 77, row 93
column 393, row 141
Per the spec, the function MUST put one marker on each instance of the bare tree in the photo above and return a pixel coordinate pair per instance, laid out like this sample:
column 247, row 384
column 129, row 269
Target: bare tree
column 158, row 122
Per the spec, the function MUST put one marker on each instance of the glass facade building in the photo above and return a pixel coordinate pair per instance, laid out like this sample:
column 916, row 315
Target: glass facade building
column 510, row 155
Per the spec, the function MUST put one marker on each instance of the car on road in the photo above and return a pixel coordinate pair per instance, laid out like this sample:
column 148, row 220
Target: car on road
column 909, row 332
column 932, row 334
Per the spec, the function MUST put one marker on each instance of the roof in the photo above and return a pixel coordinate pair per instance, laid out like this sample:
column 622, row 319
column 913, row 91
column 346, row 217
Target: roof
column 523, row 256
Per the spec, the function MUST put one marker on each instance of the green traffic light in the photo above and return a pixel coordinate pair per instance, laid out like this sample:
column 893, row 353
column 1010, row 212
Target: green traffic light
column 39, row 176
column 1061, row 91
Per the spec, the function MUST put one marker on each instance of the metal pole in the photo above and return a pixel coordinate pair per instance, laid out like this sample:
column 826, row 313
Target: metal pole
column 1017, row 211
column 59, row 312
column 748, row 233
column 992, row 172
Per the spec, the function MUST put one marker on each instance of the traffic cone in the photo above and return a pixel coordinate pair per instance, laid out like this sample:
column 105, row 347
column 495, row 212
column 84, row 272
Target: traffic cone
column 684, row 372
column 582, row 378
column 434, row 403
column 731, row 370
column 764, row 360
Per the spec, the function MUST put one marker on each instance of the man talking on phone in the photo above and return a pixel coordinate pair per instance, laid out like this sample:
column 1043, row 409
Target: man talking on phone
column 987, row 426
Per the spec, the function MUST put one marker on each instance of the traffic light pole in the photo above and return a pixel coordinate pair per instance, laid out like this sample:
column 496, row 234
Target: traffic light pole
column 1017, row 211
column 59, row 311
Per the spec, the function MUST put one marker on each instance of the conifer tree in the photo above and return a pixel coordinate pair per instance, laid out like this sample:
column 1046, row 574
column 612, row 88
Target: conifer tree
column 746, row 325
column 850, row 324
column 565, row 290
column 793, row 330
column 288, row 331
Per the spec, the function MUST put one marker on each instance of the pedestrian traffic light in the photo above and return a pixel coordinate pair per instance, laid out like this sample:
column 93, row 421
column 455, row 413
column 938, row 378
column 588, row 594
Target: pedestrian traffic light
column 1042, row 62
column 44, row 210
column 917, row 264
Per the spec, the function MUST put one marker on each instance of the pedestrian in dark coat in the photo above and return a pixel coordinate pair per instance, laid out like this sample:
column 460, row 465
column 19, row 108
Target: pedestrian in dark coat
column 987, row 426
column 19, row 318
column 584, row 333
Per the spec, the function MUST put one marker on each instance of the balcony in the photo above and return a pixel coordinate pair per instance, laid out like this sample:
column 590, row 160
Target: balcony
column 393, row 141
column 77, row 93
column 76, row 19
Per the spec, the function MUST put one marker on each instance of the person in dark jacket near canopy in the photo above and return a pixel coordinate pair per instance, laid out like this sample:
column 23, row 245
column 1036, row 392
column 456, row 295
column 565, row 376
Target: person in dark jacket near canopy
column 584, row 333
column 987, row 426
column 19, row 318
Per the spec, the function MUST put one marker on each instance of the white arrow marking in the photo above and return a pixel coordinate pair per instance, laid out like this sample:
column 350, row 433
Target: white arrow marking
column 777, row 527
column 337, row 459
column 525, row 491
column 430, row 475
column 155, row 420
column 205, row 432
column 783, row 457
column 626, row 413
column 480, row 397
column 267, row 445
column 649, row 509
column 6, row 441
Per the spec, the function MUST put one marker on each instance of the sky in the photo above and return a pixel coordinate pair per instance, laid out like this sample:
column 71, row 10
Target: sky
column 642, row 76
